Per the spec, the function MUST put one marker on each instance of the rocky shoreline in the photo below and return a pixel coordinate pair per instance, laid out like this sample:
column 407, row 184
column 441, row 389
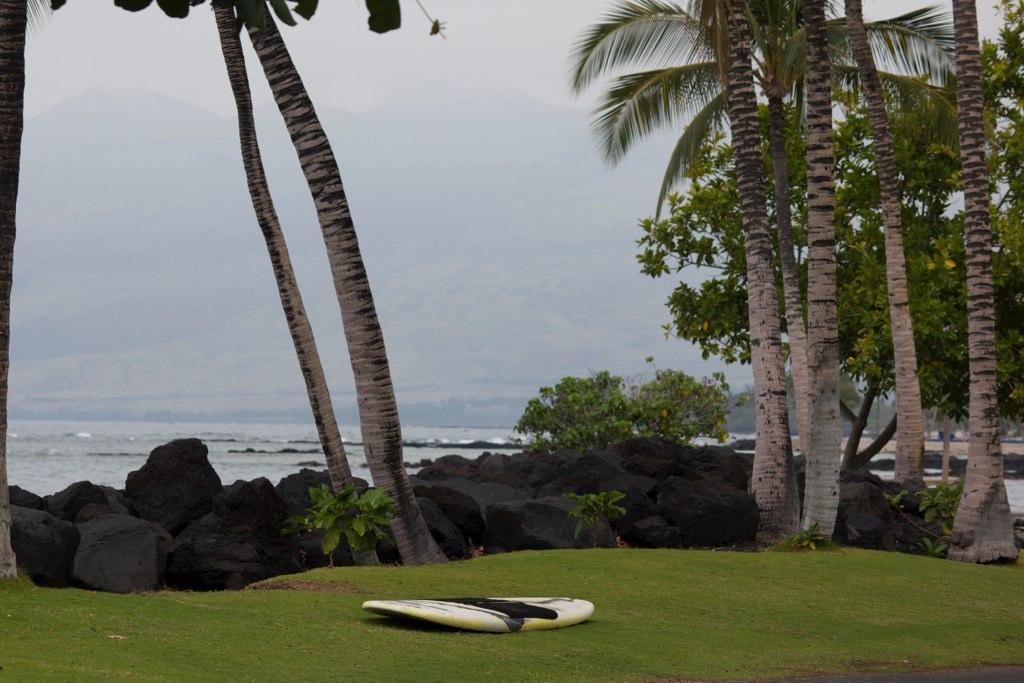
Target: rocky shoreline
column 176, row 525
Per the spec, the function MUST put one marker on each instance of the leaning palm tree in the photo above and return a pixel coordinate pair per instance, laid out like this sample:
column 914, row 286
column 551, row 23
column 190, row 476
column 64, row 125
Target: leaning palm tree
column 681, row 83
column 823, row 457
column 983, row 531
column 375, row 394
column 15, row 17
column 909, row 415
column 287, row 287
column 773, row 482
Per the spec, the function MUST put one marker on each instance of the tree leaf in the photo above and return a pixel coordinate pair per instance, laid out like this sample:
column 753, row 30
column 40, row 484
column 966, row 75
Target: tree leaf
column 177, row 9
column 306, row 8
column 332, row 537
column 133, row 5
column 280, row 8
column 385, row 15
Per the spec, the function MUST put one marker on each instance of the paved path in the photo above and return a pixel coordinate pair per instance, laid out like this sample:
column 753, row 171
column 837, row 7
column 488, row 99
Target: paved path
column 1000, row 674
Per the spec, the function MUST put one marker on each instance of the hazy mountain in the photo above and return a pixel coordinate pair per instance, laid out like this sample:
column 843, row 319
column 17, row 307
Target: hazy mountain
column 500, row 250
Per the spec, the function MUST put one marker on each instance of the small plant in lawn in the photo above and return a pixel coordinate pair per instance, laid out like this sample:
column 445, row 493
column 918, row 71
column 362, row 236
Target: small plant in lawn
column 806, row 539
column 362, row 519
column 934, row 547
column 591, row 507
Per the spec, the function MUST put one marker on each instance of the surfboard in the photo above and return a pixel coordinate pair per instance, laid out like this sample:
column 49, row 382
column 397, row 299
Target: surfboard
column 491, row 615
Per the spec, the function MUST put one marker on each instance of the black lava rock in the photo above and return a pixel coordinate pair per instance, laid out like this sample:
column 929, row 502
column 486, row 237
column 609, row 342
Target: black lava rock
column 539, row 524
column 238, row 542
column 26, row 499
column 175, row 486
column 44, row 546
column 708, row 513
column 122, row 554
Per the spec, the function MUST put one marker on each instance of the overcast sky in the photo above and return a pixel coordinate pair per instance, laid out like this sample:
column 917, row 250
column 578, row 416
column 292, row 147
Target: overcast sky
column 492, row 49
column 502, row 251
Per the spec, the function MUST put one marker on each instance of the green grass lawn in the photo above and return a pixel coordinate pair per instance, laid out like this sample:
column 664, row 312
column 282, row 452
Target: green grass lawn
column 660, row 613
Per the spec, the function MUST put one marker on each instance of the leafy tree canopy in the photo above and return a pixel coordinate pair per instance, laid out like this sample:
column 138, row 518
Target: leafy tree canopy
column 1003, row 83
column 703, row 238
column 593, row 412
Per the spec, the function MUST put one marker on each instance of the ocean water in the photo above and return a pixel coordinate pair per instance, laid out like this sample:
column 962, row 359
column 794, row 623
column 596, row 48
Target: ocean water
column 1014, row 487
column 47, row 456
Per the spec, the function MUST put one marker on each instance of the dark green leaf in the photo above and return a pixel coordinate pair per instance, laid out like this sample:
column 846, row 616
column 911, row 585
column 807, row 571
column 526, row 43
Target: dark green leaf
column 282, row 12
column 177, row 9
column 306, row 8
column 252, row 13
column 385, row 15
column 133, row 5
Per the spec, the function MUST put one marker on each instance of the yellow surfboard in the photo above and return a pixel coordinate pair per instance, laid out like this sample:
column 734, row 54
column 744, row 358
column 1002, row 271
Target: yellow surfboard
column 491, row 615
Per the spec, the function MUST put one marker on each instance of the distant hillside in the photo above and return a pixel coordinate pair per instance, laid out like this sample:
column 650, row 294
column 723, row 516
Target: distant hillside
column 500, row 249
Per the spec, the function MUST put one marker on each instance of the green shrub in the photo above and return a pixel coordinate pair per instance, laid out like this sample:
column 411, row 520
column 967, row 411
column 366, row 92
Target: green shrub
column 591, row 507
column 941, row 501
column 937, row 502
column 806, row 539
column 934, row 547
column 361, row 518
column 895, row 500
column 580, row 413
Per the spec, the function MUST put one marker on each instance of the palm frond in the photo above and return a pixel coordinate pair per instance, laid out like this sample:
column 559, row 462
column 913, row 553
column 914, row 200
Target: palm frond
column 918, row 43
column 707, row 121
column 39, row 13
column 905, row 94
column 638, row 104
column 646, row 33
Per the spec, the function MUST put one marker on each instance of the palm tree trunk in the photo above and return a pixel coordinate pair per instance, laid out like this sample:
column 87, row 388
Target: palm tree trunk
column 13, row 18
column 287, row 286
column 792, row 297
column 910, row 429
column 823, row 456
column 375, row 395
column 945, row 450
column 983, row 531
column 773, row 483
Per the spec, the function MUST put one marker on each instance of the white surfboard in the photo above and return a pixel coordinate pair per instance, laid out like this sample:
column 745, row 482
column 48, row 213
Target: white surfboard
column 492, row 615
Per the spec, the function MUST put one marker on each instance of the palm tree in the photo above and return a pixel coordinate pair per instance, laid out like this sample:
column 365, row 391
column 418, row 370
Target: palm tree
column 773, row 482
column 823, row 457
column 910, row 418
column 13, row 22
column 287, row 286
column 375, row 394
column 682, row 82
column 983, row 531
